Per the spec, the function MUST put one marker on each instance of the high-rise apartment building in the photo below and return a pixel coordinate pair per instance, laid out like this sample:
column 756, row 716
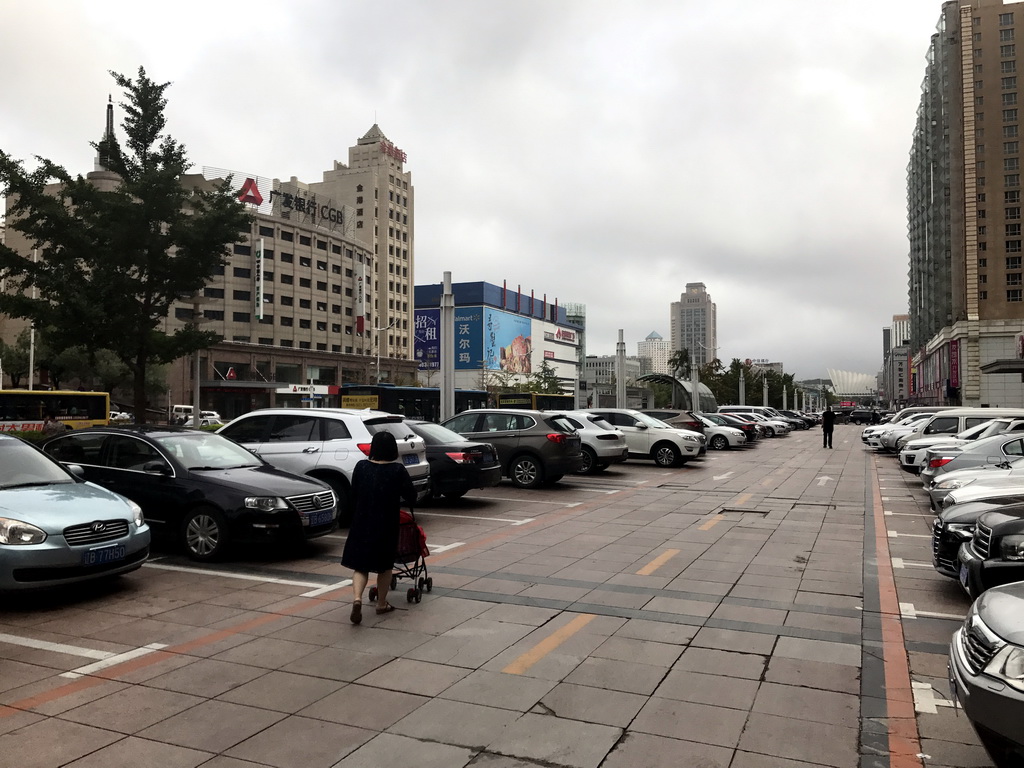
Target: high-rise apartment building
column 694, row 324
column 966, row 290
column 376, row 184
column 654, row 352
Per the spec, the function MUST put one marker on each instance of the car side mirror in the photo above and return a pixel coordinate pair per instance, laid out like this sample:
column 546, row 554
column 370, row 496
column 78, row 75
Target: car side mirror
column 76, row 469
column 640, row 426
column 156, row 467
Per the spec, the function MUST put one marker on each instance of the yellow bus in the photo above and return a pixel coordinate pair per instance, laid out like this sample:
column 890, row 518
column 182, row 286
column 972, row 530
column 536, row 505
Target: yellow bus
column 24, row 410
column 537, row 401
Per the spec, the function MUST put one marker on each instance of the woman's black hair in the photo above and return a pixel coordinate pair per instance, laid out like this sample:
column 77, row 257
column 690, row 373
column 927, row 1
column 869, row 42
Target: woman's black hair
column 383, row 447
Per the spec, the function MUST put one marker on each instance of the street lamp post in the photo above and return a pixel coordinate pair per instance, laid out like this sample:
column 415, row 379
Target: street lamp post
column 378, row 331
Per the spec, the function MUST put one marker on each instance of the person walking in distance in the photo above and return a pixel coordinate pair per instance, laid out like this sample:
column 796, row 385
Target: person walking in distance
column 379, row 486
column 828, row 423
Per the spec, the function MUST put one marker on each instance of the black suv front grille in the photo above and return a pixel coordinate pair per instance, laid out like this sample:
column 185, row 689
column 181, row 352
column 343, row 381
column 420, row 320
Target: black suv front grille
column 312, row 502
column 982, row 541
column 944, row 547
column 95, row 532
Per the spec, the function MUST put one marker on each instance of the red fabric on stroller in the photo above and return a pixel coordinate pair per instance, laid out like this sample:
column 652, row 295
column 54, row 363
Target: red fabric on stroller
column 406, row 543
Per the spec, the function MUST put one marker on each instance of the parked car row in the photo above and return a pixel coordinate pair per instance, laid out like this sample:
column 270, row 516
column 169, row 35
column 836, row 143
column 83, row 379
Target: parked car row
column 971, row 465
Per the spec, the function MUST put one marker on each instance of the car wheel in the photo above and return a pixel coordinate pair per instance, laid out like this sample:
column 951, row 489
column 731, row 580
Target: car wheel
column 770, row 431
column 589, row 459
column 204, row 533
column 526, row 472
column 452, row 495
column 719, row 442
column 666, row 455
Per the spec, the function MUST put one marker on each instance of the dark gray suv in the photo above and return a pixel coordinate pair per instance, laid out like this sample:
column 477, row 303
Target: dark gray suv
column 534, row 447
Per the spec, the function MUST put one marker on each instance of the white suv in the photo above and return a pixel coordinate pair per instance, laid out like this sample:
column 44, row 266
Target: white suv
column 603, row 444
column 649, row 438
column 327, row 443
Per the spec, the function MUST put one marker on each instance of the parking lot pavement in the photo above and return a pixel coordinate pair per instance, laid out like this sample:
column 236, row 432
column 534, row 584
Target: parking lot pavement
column 765, row 608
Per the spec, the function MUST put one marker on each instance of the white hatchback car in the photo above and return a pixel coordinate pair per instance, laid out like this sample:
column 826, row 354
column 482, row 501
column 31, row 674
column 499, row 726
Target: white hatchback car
column 327, row 443
column 649, row 438
column 603, row 444
column 721, row 438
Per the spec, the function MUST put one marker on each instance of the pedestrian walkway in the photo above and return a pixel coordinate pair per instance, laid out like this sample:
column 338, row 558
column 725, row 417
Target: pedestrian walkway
column 742, row 612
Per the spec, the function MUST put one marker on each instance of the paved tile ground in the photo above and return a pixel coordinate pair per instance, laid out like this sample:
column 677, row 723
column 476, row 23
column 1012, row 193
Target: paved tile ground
column 721, row 615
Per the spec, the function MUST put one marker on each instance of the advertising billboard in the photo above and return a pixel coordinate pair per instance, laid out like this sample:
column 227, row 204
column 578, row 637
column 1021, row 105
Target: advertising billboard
column 427, row 339
column 485, row 338
column 508, row 344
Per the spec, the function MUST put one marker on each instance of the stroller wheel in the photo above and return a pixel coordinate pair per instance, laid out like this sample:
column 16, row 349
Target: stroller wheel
column 411, row 594
column 419, row 594
column 394, row 582
column 421, row 583
column 373, row 594
column 430, row 584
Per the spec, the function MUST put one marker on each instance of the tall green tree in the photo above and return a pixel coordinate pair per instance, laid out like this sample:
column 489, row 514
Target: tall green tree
column 112, row 262
column 679, row 362
column 544, row 380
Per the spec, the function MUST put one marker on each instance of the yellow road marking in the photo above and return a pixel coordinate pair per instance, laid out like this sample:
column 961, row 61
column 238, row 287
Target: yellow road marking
column 548, row 644
column 744, row 499
column 657, row 562
column 711, row 523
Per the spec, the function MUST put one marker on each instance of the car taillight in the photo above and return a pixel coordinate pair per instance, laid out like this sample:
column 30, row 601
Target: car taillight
column 365, row 448
column 557, row 437
column 463, row 457
column 935, row 463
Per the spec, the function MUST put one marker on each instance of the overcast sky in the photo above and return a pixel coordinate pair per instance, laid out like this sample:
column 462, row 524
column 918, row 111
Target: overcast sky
column 599, row 152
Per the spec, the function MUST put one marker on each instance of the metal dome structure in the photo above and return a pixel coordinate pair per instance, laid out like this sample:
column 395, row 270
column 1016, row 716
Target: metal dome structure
column 849, row 384
column 681, row 397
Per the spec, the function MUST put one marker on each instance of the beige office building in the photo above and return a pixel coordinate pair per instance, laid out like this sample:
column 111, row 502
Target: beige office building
column 694, row 324
column 318, row 292
column 966, row 290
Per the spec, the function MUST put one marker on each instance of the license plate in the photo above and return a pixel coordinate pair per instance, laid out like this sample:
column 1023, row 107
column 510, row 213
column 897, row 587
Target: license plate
column 411, row 458
column 320, row 518
column 103, row 555
column 963, row 575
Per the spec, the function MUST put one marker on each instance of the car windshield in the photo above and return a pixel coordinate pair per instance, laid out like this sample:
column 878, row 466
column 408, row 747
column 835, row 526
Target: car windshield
column 561, row 422
column 205, row 450
column 22, row 466
column 650, row 421
column 435, row 434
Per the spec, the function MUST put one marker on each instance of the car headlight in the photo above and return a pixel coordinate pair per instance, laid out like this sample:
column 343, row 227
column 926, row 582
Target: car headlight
column 1012, row 547
column 690, row 439
column 1008, row 666
column 951, row 485
column 887, row 433
column 16, row 532
column 265, row 503
column 136, row 513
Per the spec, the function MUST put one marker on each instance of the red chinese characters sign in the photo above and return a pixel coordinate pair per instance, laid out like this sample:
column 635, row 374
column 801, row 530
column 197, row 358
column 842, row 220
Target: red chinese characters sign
column 391, row 150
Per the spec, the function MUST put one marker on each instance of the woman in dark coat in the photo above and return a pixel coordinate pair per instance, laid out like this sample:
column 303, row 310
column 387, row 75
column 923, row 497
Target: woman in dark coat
column 379, row 486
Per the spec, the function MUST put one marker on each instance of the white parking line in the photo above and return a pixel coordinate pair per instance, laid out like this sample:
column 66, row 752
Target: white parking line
column 911, row 514
column 444, row 547
column 907, row 611
column 43, row 645
column 242, row 576
column 899, row 562
column 499, row 498
column 898, row 535
column 474, row 517
column 113, row 660
column 926, row 699
column 329, row 588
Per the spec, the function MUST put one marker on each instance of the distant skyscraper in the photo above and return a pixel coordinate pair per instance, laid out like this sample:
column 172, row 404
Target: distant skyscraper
column 694, row 324
column 656, row 351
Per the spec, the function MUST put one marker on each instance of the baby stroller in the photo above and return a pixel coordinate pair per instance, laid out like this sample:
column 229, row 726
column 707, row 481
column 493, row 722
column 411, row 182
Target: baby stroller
column 410, row 560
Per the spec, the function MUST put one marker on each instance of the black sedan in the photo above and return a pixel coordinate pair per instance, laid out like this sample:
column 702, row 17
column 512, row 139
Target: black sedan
column 457, row 465
column 199, row 488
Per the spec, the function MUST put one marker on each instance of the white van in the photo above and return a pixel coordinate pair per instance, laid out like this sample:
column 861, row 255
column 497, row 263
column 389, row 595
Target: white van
column 954, row 420
column 182, row 413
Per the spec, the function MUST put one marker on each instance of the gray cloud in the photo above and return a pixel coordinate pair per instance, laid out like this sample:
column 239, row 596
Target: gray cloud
column 594, row 151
